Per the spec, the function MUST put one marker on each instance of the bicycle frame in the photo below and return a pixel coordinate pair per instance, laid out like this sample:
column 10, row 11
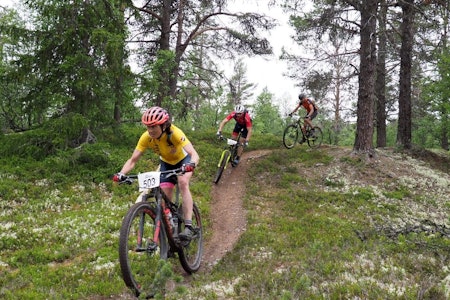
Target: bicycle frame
column 148, row 229
column 228, row 154
column 162, row 202
column 158, row 218
column 299, row 121
column 233, row 146
column 231, row 150
column 294, row 130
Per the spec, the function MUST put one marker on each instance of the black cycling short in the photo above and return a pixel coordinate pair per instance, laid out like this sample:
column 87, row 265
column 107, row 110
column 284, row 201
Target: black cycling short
column 165, row 166
column 314, row 114
column 238, row 128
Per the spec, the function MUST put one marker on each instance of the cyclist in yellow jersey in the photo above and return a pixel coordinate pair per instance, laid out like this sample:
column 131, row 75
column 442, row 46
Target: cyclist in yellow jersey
column 165, row 147
column 174, row 150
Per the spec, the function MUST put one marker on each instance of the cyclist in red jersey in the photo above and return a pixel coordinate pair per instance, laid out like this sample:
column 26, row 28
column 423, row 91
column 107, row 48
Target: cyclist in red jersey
column 311, row 113
column 243, row 121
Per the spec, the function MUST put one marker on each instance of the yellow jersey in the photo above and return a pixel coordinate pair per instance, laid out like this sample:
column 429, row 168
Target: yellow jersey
column 171, row 152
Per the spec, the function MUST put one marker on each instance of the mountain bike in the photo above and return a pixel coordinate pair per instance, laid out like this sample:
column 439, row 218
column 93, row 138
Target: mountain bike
column 149, row 234
column 229, row 154
column 293, row 131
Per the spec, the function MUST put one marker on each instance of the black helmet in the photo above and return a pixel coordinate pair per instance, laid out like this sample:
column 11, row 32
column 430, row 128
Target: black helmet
column 301, row 96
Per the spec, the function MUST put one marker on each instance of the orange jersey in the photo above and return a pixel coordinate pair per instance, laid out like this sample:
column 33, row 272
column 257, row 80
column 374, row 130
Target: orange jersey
column 308, row 105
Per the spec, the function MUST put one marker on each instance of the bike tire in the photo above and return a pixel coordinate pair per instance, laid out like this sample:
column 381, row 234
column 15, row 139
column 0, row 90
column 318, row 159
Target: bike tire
column 316, row 138
column 290, row 136
column 139, row 262
column 222, row 166
column 190, row 254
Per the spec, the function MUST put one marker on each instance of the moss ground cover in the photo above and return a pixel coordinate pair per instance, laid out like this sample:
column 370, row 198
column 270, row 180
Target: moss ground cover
column 321, row 225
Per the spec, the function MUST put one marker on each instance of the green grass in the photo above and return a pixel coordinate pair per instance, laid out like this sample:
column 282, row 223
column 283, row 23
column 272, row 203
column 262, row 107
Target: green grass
column 307, row 237
column 311, row 243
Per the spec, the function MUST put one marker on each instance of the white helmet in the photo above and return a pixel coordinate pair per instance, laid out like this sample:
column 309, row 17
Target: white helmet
column 239, row 109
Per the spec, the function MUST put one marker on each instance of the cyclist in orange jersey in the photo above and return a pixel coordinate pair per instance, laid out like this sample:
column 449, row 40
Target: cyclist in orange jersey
column 311, row 113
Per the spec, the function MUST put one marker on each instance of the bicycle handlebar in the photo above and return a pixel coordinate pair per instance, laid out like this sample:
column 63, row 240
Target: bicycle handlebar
column 222, row 138
column 129, row 179
column 295, row 117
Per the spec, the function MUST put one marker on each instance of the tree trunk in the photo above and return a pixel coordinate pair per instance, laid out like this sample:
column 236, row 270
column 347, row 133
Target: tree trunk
column 404, row 101
column 337, row 116
column 117, row 64
column 366, row 92
column 444, row 126
column 445, row 111
column 179, row 51
column 164, row 43
column 339, row 69
column 380, row 84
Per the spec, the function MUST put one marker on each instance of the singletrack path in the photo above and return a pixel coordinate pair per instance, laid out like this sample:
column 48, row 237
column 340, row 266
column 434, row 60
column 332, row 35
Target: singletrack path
column 228, row 216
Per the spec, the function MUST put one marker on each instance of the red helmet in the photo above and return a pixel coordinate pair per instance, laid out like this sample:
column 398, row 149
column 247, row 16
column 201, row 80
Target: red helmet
column 155, row 116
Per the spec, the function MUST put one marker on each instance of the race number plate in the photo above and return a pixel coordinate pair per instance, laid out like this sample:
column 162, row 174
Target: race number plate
column 148, row 180
column 231, row 142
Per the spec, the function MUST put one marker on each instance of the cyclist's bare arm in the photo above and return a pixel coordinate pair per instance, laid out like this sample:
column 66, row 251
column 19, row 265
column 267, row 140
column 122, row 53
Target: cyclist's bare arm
column 293, row 112
column 131, row 162
column 249, row 133
column 191, row 151
column 224, row 121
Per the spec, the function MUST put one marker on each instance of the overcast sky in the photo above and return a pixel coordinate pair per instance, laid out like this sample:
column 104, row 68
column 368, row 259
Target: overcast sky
column 268, row 71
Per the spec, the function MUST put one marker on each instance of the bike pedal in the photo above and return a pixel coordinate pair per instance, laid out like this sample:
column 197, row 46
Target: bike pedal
column 185, row 243
column 152, row 246
column 171, row 254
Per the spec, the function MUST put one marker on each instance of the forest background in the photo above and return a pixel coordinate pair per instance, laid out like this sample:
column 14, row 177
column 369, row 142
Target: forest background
column 380, row 83
column 70, row 113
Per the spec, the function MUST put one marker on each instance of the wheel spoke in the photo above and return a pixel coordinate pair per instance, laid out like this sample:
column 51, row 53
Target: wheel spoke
column 315, row 140
column 290, row 136
column 139, row 253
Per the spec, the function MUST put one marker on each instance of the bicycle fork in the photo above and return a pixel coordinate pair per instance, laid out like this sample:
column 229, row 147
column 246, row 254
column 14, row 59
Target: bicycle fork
column 222, row 157
column 154, row 242
column 152, row 245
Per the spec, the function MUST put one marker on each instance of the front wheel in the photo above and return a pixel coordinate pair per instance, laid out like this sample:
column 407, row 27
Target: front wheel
column 315, row 137
column 290, row 136
column 222, row 166
column 142, row 245
column 190, row 254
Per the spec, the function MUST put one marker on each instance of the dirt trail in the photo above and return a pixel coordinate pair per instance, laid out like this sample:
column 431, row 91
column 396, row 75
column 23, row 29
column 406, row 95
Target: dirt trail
column 228, row 217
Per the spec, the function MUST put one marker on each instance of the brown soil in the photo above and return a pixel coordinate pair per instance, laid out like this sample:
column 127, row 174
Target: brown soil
column 228, row 220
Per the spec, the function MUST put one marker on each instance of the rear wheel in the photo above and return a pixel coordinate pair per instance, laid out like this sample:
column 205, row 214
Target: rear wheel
column 315, row 137
column 222, row 166
column 139, row 253
column 290, row 136
column 190, row 254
